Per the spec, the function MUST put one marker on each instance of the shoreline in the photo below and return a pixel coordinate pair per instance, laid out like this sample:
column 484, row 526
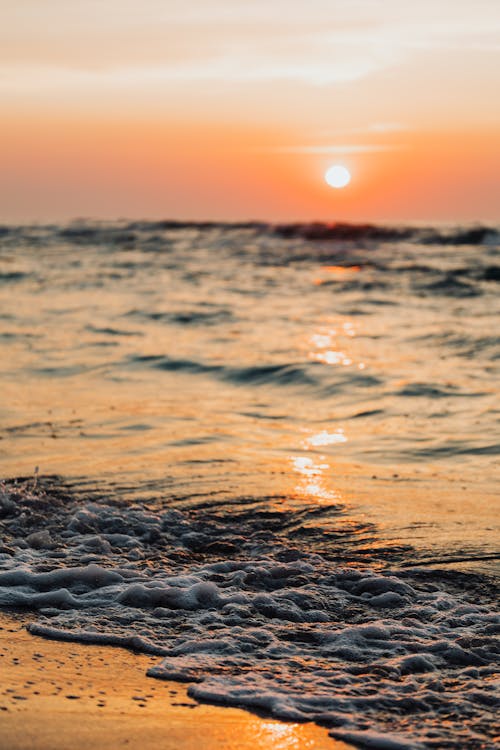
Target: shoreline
column 56, row 695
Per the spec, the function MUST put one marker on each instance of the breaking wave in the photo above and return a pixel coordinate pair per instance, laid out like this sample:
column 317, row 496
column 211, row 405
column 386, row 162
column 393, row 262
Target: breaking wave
column 238, row 605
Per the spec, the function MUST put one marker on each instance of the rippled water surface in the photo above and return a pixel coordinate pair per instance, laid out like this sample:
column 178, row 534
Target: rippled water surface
column 262, row 434
column 252, row 360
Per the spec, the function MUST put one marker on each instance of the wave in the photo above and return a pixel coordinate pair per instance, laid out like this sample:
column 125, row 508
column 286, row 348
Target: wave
column 455, row 448
column 109, row 331
column 340, row 231
column 184, row 317
column 319, row 379
column 251, row 613
column 427, row 390
column 452, row 286
column 13, row 276
column 128, row 234
column 277, row 374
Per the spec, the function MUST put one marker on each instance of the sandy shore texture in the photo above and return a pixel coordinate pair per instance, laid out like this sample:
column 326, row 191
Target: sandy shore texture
column 55, row 696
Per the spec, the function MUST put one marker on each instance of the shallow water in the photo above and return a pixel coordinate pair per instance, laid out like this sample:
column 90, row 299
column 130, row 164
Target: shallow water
column 223, row 361
column 266, row 434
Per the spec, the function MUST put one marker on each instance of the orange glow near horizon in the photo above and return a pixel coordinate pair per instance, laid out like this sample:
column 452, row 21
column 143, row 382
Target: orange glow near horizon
column 58, row 169
column 231, row 114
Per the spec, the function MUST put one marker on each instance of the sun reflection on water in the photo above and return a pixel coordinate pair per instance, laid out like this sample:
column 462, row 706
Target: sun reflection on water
column 331, row 357
column 336, row 273
column 313, row 481
column 325, row 345
column 325, row 438
column 281, row 736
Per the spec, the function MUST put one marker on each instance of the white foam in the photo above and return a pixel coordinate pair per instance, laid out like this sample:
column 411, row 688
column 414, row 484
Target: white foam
column 379, row 657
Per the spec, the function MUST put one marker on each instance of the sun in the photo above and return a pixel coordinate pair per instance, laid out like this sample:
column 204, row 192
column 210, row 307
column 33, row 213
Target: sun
column 337, row 176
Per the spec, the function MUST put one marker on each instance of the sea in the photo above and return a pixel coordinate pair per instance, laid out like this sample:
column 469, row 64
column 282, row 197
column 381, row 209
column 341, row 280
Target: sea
column 266, row 454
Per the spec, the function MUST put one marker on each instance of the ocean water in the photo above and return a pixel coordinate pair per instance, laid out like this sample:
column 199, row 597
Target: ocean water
column 266, row 454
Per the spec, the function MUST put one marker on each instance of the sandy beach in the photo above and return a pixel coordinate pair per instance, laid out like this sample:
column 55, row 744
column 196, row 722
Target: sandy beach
column 58, row 695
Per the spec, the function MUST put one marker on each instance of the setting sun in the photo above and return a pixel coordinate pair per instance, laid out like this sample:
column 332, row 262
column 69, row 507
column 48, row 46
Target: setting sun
column 337, row 176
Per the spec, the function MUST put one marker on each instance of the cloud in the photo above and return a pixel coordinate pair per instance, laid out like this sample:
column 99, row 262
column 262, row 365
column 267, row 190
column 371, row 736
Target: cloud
column 343, row 149
column 318, row 43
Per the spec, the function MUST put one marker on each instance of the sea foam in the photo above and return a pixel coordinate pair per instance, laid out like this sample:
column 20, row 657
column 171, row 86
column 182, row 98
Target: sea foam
column 384, row 658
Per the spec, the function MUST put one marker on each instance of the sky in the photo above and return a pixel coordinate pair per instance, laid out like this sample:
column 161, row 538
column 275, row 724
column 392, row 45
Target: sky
column 234, row 109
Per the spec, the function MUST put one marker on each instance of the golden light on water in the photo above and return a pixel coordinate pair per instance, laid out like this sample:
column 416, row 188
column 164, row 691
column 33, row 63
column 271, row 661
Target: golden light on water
column 281, row 736
column 331, row 357
column 323, row 345
column 325, row 438
column 335, row 273
column 313, row 481
column 341, row 271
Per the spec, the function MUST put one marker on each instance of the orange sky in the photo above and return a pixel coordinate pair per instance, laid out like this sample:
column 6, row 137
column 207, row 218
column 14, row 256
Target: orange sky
column 234, row 110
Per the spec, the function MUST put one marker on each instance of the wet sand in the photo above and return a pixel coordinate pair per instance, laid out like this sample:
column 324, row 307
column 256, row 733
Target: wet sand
column 57, row 695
